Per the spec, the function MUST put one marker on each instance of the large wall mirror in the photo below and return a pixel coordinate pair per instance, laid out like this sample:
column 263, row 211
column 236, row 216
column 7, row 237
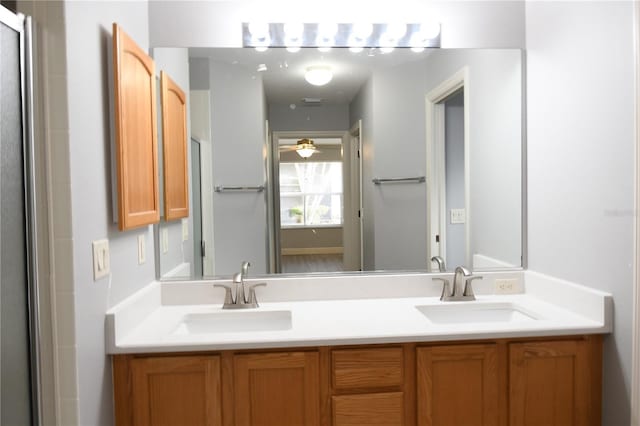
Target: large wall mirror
column 396, row 158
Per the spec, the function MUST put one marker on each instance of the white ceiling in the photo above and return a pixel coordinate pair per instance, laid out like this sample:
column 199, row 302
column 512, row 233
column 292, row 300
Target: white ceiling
column 284, row 79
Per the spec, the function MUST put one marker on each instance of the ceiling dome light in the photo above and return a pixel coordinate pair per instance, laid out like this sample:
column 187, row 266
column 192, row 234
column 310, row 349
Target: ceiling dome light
column 318, row 76
column 293, row 49
column 356, row 49
column 385, row 50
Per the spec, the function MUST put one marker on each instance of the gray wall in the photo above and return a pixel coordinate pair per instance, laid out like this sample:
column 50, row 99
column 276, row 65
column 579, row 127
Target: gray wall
column 495, row 139
column 175, row 62
column 580, row 86
column 400, row 151
column 308, row 118
column 88, row 35
column 238, row 144
column 454, row 166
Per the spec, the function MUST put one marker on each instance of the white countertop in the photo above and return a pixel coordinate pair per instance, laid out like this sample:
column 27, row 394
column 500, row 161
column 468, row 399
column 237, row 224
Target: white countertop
column 150, row 320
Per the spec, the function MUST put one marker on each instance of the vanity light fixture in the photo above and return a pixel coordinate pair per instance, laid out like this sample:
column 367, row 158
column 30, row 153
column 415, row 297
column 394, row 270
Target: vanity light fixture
column 305, row 148
column 327, row 35
column 318, row 75
column 260, row 33
column 293, row 33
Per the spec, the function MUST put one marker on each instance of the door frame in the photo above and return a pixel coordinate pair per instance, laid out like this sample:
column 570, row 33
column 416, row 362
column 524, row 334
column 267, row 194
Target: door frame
column 436, row 212
column 273, row 183
column 356, row 131
column 635, row 363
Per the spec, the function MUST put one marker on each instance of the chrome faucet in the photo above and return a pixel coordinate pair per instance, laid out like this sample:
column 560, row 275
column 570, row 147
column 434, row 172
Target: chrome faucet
column 235, row 295
column 440, row 261
column 462, row 289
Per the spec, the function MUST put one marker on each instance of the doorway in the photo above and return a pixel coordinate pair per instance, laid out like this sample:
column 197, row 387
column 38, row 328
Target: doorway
column 449, row 219
column 313, row 227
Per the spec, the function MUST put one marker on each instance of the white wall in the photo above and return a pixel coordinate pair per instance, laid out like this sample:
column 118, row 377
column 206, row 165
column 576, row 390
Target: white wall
column 175, row 62
column 238, row 143
column 88, row 35
column 580, row 86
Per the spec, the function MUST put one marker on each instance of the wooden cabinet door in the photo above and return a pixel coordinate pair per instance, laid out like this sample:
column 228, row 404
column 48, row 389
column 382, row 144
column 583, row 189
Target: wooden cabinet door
column 170, row 391
column 136, row 133
column 277, row 389
column 458, row 385
column 554, row 383
column 174, row 149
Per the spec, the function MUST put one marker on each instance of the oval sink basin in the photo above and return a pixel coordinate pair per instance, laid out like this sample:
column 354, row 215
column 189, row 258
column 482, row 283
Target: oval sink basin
column 234, row 322
column 470, row 312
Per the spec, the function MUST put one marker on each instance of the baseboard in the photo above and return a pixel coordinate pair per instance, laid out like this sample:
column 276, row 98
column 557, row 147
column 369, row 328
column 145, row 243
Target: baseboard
column 311, row 250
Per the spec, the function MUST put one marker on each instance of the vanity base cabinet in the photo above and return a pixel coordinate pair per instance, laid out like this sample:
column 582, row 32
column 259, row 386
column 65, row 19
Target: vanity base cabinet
column 552, row 381
column 458, row 385
column 276, row 389
column 169, row 391
column 555, row 383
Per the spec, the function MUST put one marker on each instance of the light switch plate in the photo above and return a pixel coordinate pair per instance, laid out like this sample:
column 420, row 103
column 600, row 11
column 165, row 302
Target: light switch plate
column 142, row 255
column 458, row 216
column 185, row 229
column 101, row 261
column 164, row 237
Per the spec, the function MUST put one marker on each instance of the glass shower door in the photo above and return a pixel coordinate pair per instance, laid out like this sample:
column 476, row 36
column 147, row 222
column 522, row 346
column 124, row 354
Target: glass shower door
column 15, row 354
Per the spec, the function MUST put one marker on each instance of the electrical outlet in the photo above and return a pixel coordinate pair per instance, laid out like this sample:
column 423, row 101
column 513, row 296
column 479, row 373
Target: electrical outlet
column 185, row 229
column 142, row 256
column 506, row 286
column 101, row 260
column 164, row 236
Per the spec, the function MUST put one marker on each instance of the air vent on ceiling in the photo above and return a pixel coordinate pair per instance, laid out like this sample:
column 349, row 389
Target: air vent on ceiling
column 311, row 101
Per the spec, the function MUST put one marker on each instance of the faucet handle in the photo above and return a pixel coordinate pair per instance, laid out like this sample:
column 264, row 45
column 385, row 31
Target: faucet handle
column 446, row 289
column 228, row 297
column 468, row 289
column 252, row 293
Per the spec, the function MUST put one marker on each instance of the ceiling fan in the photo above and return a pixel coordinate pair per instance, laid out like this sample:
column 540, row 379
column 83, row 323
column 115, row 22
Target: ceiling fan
column 304, row 147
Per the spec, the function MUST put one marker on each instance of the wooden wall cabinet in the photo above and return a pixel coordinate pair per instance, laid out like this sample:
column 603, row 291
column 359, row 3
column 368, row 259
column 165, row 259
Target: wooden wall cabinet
column 515, row 382
column 136, row 150
column 174, row 149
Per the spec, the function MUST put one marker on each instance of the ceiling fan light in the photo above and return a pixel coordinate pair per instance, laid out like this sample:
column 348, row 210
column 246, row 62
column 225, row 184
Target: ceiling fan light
column 318, row 76
column 305, row 152
column 305, row 148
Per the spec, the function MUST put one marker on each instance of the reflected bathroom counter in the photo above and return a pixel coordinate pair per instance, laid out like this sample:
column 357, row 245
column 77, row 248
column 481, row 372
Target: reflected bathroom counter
column 314, row 311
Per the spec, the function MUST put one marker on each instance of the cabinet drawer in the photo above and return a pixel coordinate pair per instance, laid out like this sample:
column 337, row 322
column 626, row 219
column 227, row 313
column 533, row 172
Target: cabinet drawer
column 367, row 368
column 369, row 409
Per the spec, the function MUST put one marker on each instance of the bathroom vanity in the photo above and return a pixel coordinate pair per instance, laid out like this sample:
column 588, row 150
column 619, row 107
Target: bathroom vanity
column 316, row 353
